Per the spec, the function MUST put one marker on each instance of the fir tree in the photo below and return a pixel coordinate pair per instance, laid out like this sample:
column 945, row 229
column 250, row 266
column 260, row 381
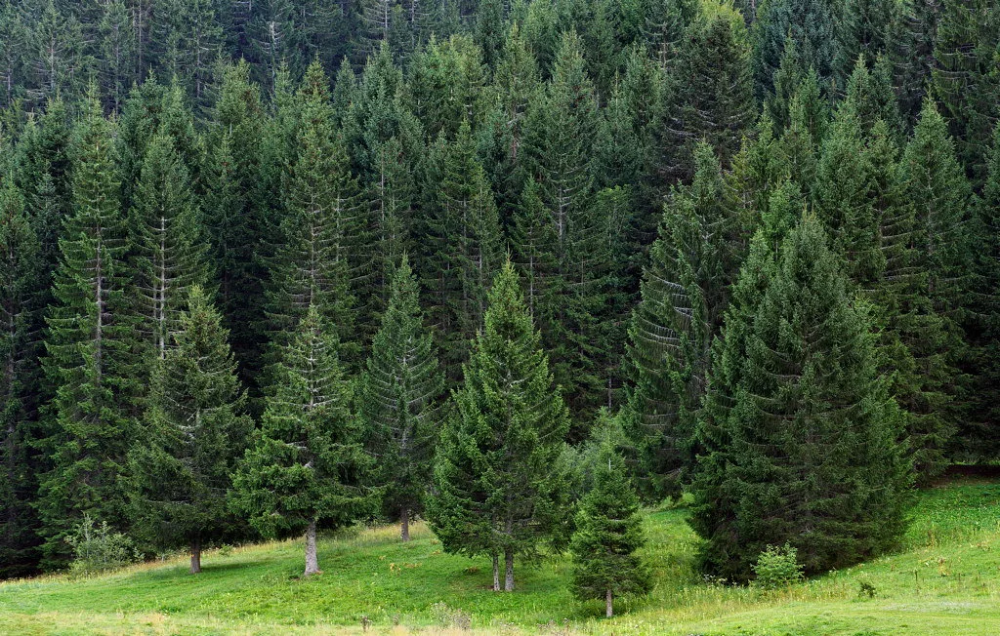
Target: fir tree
column 496, row 490
column 19, row 348
column 89, row 343
column 803, row 442
column 463, row 243
column 709, row 94
column 195, row 432
column 312, row 266
column 685, row 291
column 399, row 400
column 306, row 466
column 608, row 534
column 168, row 251
column 934, row 185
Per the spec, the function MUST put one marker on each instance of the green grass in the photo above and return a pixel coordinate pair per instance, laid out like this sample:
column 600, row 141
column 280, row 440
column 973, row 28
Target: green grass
column 945, row 580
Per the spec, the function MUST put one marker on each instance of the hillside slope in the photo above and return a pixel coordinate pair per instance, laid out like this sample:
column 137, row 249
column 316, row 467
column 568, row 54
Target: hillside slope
column 945, row 580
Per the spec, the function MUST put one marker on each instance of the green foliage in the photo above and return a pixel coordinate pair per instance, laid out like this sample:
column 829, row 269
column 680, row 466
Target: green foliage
column 685, row 292
column 802, row 441
column 495, row 492
column 305, row 464
column 399, row 399
column 608, row 534
column 777, row 567
column 195, row 431
column 97, row 549
column 89, row 341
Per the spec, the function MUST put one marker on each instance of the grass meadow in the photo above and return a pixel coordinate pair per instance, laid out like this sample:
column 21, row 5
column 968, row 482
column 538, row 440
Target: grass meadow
column 944, row 580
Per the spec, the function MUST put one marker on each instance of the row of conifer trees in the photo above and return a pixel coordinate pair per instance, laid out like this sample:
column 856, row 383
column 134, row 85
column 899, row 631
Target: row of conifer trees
column 774, row 263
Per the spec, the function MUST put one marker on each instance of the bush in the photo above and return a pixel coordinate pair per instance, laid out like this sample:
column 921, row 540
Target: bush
column 97, row 549
column 778, row 567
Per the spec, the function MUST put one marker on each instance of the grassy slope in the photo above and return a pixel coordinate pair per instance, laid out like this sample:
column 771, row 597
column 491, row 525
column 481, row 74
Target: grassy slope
column 945, row 581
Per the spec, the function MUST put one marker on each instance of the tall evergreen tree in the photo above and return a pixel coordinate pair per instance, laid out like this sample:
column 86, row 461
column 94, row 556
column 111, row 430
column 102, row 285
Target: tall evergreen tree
column 19, row 349
column 195, row 432
column 167, row 249
column 462, row 247
column 496, row 490
column 813, row 453
column 305, row 467
column 89, row 343
column 934, row 184
column 399, row 401
column 685, row 292
column 312, row 265
column 709, row 93
column 608, row 533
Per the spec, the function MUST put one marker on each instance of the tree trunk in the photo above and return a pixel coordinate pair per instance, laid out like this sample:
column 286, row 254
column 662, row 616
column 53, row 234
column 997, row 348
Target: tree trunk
column 196, row 556
column 496, row 572
column 312, row 561
column 405, row 524
column 608, row 606
column 508, row 584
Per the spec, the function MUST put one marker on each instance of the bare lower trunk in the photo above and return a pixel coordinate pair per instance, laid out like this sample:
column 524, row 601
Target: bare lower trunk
column 405, row 524
column 196, row 556
column 508, row 584
column 312, row 561
column 496, row 573
column 609, row 607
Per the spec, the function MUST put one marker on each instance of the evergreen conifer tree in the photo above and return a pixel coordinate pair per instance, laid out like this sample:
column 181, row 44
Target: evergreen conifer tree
column 19, row 389
column 168, row 252
column 305, row 468
column 399, row 400
column 684, row 294
column 179, row 473
column 89, row 342
column 496, row 490
column 608, row 534
column 803, row 442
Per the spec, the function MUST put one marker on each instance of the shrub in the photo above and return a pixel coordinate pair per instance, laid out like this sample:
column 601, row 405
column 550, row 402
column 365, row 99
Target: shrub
column 97, row 549
column 778, row 567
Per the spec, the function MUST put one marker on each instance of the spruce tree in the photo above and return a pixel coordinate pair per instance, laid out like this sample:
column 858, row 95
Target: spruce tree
column 709, row 94
column 89, row 342
column 195, row 430
column 608, row 534
column 982, row 321
column 306, row 467
column 934, row 186
column 811, row 442
column 462, row 247
column 312, row 265
column 168, row 253
column 684, row 293
column 496, row 492
column 399, row 400
column 19, row 349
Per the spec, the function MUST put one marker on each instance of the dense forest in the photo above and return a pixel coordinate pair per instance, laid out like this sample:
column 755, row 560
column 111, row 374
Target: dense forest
column 514, row 267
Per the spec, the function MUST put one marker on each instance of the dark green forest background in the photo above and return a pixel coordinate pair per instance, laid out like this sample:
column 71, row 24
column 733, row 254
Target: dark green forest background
column 247, row 252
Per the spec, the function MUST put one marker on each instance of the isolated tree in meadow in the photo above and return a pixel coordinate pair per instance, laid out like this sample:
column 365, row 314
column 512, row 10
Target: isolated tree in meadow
column 306, row 466
column 400, row 393
column 801, row 440
column 608, row 534
column 195, row 432
column 496, row 491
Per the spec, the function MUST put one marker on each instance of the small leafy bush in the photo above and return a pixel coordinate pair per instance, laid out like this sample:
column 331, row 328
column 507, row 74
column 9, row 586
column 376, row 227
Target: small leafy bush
column 778, row 567
column 97, row 549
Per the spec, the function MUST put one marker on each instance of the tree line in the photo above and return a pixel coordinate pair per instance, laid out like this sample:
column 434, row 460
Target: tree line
column 275, row 267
